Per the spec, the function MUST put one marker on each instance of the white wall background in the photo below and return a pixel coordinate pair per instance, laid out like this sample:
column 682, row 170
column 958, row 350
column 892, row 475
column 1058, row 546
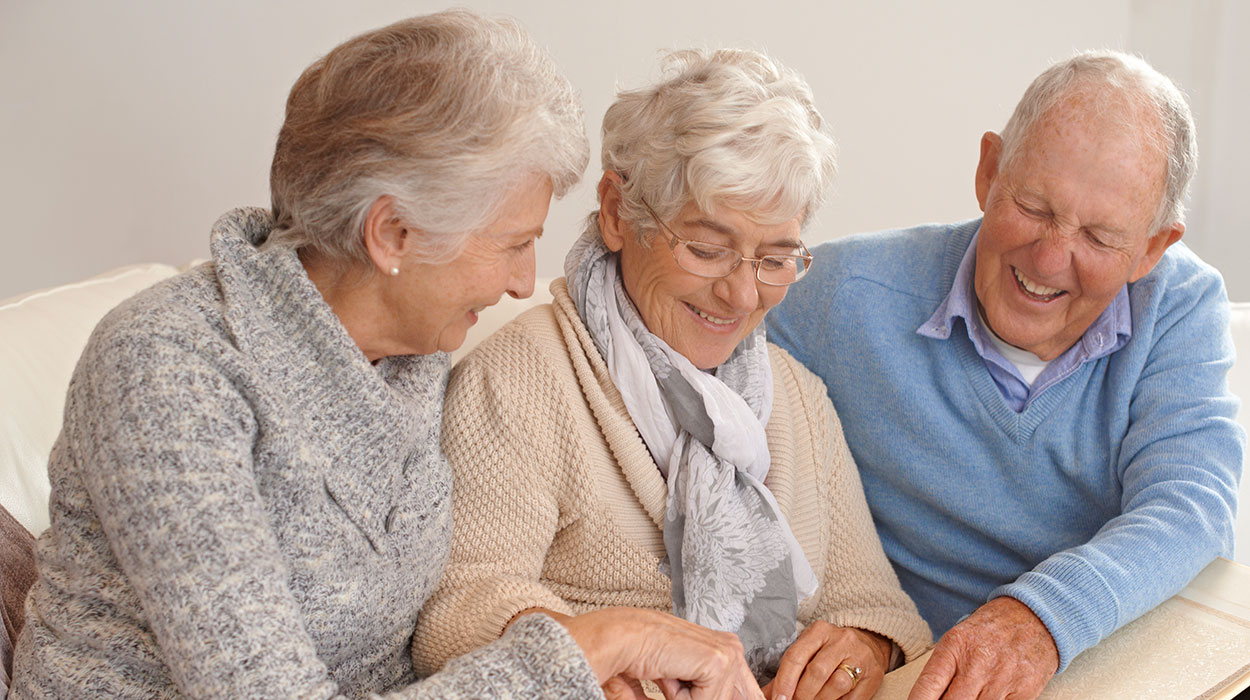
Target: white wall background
column 127, row 127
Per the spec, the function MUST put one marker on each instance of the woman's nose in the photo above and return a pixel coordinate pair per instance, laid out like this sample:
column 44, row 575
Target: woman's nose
column 521, row 282
column 738, row 289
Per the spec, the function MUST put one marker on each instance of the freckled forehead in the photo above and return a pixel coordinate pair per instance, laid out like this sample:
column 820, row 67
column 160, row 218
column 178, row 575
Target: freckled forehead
column 1096, row 159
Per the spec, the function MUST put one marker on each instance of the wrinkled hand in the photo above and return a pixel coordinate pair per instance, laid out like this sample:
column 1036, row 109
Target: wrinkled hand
column 810, row 668
column 1002, row 650
column 623, row 688
column 687, row 661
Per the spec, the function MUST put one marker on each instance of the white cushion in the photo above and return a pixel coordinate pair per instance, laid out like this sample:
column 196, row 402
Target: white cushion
column 1239, row 382
column 44, row 333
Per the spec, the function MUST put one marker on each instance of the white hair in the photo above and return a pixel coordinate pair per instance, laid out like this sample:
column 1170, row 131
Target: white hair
column 1126, row 88
column 730, row 127
column 445, row 113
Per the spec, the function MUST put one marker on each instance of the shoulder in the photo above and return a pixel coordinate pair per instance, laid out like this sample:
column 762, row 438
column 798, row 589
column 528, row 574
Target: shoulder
column 887, row 255
column 1181, row 288
column 164, row 327
column 524, row 359
column 911, row 262
column 1180, row 273
column 533, row 332
column 801, row 388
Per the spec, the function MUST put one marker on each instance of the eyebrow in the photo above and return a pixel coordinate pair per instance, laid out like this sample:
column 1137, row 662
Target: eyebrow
column 724, row 230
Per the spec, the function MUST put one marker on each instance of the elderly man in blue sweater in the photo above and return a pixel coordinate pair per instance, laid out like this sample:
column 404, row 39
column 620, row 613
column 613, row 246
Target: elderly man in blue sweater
column 1036, row 399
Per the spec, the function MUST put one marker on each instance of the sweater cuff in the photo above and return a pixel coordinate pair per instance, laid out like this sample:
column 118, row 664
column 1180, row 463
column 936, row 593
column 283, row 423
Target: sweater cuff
column 1071, row 598
column 495, row 619
column 906, row 630
column 535, row 658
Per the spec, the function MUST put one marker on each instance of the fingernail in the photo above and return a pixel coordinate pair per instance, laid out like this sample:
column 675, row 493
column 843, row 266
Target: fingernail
column 781, row 697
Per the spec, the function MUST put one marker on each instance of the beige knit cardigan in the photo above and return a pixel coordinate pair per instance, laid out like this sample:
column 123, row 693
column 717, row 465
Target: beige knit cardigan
column 558, row 504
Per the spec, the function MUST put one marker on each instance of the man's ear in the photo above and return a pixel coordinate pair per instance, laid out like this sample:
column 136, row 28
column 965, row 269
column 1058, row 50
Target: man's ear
column 611, row 227
column 987, row 167
column 1156, row 245
column 386, row 239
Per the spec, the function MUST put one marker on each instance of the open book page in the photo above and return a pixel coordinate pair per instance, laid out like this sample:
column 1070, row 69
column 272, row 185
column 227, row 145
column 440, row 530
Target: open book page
column 1182, row 649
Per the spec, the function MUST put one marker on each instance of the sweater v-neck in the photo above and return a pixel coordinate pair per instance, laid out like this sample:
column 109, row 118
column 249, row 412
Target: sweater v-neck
column 1019, row 427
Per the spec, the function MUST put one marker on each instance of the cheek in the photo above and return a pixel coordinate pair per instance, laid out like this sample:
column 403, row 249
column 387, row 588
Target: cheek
column 1008, row 231
column 771, row 296
column 1102, row 278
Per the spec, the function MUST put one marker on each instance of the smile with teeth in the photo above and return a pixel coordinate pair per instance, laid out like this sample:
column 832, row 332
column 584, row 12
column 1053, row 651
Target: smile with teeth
column 1037, row 291
column 711, row 319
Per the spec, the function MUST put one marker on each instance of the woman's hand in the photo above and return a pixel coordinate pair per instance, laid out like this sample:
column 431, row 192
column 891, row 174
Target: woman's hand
column 684, row 659
column 813, row 665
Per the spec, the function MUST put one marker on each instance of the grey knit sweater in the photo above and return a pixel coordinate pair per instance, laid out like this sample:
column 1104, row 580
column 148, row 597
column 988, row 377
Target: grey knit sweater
column 244, row 507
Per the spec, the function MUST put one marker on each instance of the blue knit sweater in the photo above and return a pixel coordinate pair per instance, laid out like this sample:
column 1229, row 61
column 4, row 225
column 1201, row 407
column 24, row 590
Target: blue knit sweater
column 1104, row 497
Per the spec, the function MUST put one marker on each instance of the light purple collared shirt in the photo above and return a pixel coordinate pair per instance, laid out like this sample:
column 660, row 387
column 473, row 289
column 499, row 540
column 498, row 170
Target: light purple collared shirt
column 1108, row 333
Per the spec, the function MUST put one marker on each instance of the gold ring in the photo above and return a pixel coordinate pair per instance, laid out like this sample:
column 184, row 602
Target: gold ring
column 853, row 672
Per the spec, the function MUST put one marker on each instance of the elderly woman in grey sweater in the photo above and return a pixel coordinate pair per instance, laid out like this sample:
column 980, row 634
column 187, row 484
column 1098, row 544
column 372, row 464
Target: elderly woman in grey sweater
column 248, row 496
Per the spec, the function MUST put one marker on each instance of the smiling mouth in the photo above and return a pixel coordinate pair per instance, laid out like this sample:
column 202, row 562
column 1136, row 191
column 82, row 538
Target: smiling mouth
column 1033, row 290
column 715, row 320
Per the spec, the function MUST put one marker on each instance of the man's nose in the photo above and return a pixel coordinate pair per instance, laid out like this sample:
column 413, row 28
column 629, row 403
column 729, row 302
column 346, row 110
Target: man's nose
column 1052, row 253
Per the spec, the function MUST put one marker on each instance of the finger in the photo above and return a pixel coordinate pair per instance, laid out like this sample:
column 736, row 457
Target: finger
column 822, row 677
column 794, row 661
column 621, row 688
column 672, row 689
column 936, row 675
column 966, row 686
column 866, row 687
column 839, row 685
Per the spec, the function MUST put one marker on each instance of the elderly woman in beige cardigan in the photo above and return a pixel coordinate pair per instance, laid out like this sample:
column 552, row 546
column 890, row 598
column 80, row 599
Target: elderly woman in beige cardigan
column 638, row 442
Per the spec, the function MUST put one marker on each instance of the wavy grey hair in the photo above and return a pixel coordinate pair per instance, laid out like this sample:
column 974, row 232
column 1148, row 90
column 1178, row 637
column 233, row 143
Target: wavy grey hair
column 445, row 113
column 730, row 127
column 1129, row 88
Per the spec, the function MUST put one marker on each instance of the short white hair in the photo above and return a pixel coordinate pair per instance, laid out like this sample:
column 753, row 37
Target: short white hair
column 1126, row 87
column 445, row 113
column 730, row 127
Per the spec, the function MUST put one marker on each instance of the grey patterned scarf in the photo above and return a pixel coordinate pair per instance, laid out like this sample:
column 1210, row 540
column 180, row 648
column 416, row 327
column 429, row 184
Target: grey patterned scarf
column 734, row 562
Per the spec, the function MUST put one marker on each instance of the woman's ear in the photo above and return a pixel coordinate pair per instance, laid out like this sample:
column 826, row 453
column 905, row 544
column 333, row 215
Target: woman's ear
column 386, row 239
column 611, row 227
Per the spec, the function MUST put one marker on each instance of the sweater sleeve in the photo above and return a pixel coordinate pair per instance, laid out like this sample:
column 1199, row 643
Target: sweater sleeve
column 535, row 658
column 859, row 587
column 1179, row 464
column 498, row 433
column 162, row 440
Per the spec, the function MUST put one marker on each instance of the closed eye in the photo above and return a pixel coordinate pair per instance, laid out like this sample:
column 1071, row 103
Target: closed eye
column 1033, row 213
column 708, row 251
column 1096, row 240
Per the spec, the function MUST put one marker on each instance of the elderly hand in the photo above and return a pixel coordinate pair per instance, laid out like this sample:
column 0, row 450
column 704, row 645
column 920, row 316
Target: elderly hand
column 1001, row 650
column 812, row 666
column 687, row 661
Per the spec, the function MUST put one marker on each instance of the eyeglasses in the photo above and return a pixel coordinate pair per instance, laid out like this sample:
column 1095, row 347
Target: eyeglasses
column 715, row 261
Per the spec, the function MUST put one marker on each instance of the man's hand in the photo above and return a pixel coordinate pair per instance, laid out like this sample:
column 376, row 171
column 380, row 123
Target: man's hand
column 1002, row 650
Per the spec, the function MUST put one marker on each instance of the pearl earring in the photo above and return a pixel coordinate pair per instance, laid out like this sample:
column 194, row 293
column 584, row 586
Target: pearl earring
column 394, row 271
